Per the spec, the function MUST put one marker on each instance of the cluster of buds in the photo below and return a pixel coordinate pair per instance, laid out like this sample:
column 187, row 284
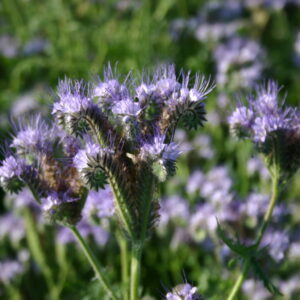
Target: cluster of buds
column 275, row 130
column 109, row 131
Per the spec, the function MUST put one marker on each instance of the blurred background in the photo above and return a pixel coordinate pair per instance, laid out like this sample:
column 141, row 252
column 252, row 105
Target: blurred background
column 238, row 44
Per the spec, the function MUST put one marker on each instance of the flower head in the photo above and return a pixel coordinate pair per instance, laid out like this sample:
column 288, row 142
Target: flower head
column 34, row 137
column 71, row 98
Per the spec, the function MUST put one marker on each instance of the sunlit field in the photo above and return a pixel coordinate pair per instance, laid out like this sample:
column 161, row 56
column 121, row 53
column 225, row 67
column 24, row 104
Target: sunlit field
column 149, row 150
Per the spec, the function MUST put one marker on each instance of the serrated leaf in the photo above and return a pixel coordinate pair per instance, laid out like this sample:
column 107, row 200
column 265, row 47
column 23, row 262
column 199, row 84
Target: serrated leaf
column 236, row 246
column 264, row 278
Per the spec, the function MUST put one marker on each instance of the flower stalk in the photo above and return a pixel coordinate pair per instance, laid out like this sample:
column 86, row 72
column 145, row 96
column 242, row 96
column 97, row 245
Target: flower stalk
column 262, row 230
column 93, row 262
column 135, row 270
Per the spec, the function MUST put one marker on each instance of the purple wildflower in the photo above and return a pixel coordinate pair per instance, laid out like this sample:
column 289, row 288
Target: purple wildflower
column 71, row 98
column 54, row 200
column 10, row 269
column 12, row 227
column 110, row 90
column 265, row 114
column 127, row 107
column 100, row 236
column 242, row 55
column 80, row 160
column 11, row 167
column 34, row 137
column 158, row 149
column 173, row 209
column 183, row 292
column 278, row 242
column 100, row 204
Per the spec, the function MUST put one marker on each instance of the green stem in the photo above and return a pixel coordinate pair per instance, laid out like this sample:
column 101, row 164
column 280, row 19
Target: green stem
column 261, row 232
column 94, row 262
column 124, row 265
column 135, row 270
column 37, row 252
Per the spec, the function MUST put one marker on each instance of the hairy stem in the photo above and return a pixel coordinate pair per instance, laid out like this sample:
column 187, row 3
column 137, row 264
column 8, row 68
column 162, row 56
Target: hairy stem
column 124, row 265
column 93, row 262
column 38, row 253
column 261, row 232
column 135, row 270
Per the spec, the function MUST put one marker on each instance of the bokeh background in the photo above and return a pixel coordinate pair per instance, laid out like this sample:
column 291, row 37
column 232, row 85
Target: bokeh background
column 238, row 44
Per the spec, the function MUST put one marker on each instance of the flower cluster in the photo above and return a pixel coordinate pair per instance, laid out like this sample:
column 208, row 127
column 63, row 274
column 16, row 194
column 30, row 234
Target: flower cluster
column 273, row 128
column 109, row 131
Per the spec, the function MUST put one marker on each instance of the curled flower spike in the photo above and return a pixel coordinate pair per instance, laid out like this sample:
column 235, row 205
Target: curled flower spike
column 35, row 137
column 274, row 129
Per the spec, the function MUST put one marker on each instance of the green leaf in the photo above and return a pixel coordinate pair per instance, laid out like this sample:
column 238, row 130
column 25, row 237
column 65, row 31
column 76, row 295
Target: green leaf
column 236, row 246
column 264, row 277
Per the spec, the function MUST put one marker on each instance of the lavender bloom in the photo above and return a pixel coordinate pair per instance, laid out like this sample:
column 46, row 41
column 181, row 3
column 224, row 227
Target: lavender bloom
column 184, row 292
column 202, row 144
column 10, row 171
column 195, row 181
column 255, row 290
column 158, row 149
column 99, row 235
column 12, row 227
column 35, row 137
column 126, row 107
column 11, row 167
column 100, row 204
column 9, row 46
column 54, row 200
column 173, row 208
column 71, row 98
column 265, row 115
column 80, row 160
column 110, row 90
column 290, row 286
column 10, row 269
column 256, row 165
column 242, row 58
column 278, row 243
column 23, row 199
column 217, row 21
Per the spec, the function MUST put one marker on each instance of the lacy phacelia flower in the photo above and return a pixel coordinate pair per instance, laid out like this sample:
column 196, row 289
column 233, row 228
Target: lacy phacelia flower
column 127, row 107
column 239, row 62
column 272, row 127
column 183, row 292
column 10, row 269
column 99, row 204
column 71, row 98
column 10, row 172
column 35, row 137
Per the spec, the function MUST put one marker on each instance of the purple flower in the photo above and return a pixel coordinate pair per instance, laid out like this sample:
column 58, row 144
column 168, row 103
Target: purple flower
column 173, row 209
column 265, row 114
column 80, row 160
column 11, row 167
column 127, row 107
column 10, row 269
column 54, row 200
column 110, row 90
column 100, row 236
column 158, row 149
column 100, row 204
column 34, row 137
column 71, row 98
column 183, row 292
column 239, row 62
column 12, row 227
column 277, row 242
